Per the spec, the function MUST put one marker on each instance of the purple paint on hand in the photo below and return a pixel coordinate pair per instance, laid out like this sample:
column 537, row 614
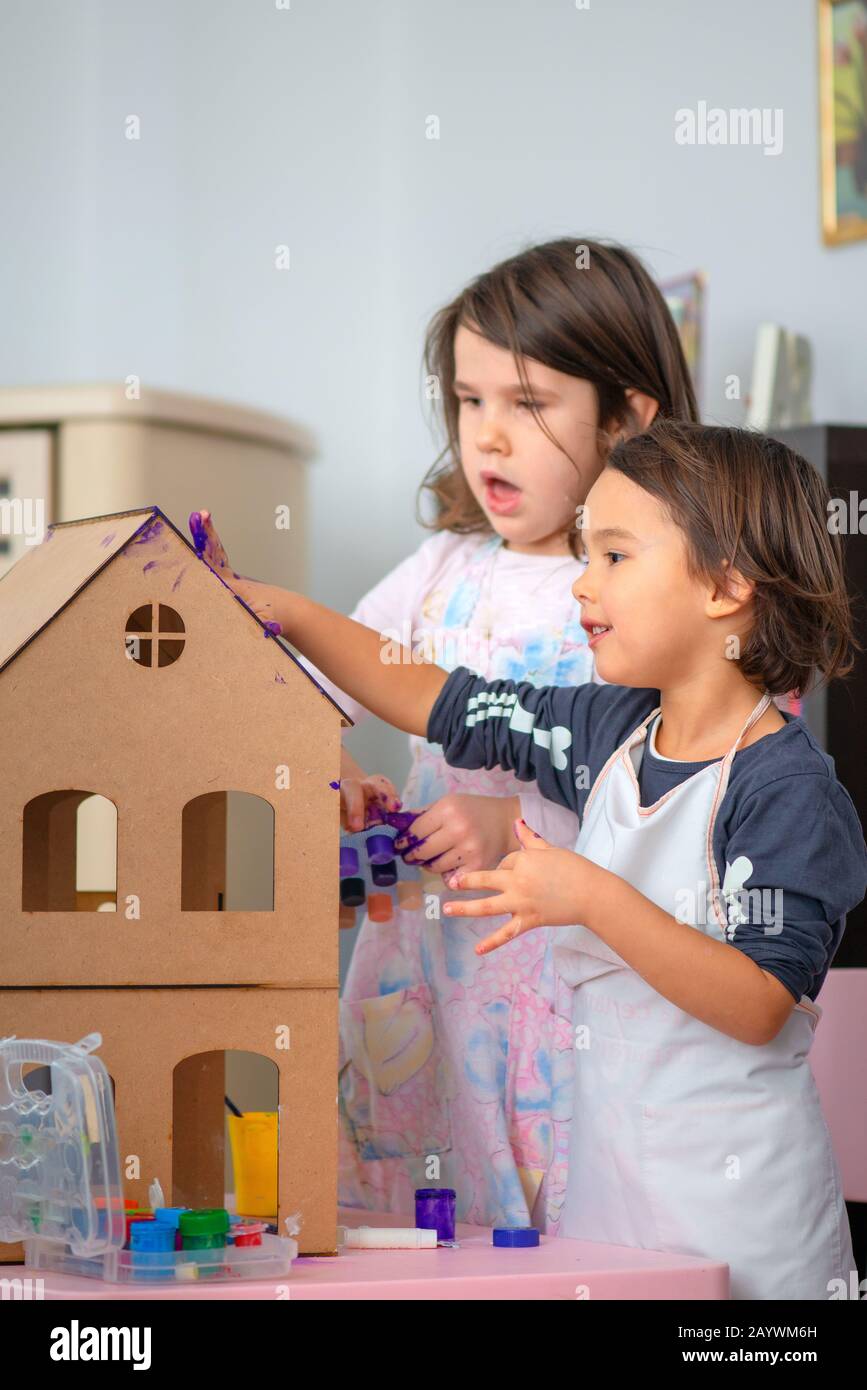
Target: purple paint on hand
column 198, row 532
column 396, row 820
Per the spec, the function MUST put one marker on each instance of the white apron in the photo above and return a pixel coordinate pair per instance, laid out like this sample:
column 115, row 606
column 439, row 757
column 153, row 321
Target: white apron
column 684, row 1139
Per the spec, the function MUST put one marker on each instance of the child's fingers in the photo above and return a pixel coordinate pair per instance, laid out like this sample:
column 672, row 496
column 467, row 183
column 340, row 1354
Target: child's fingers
column 481, row 878
column 445, row 863
column 352, row 803
column 495, row 906
column 380, row 788
column 426, row 823
column 214, row 549
column 434, row 846
column 513, row 928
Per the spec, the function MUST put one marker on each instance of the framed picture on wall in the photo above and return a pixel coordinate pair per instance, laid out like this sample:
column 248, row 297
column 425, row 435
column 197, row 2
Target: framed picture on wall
column 843, row 117
column 685, row 299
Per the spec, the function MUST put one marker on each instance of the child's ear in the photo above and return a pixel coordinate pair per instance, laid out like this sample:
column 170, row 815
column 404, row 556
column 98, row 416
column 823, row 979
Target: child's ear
column 723, row 601
column 641, row 411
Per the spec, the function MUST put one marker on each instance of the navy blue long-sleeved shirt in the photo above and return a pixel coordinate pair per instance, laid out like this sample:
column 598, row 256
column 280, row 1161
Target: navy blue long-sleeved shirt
column 784, row 809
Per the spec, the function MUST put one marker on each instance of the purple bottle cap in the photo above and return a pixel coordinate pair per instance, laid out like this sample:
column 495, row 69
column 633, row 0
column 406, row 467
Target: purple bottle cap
column 348, row 861
column 380, row 848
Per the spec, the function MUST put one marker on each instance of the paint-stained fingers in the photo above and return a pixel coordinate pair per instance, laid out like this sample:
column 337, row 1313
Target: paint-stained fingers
column 433, row 847
column 215, row 551
column 380, row 789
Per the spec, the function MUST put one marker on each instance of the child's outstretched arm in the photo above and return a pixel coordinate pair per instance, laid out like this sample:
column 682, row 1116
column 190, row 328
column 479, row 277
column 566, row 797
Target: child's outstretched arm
column 381, row 675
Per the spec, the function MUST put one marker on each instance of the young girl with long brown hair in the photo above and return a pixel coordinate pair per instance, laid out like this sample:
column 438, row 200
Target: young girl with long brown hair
column 454, row 1068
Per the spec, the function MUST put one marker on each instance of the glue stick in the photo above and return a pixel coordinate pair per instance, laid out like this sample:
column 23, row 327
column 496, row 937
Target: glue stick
column 388, row 1238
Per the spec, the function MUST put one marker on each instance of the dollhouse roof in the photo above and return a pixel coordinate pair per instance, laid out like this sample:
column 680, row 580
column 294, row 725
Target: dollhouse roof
column 53, row 573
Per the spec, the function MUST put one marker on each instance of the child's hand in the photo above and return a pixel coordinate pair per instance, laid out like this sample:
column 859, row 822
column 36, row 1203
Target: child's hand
column 209, row 545
column 540, row 886
column 463, row 831
column 358, row 792
column 213, row 552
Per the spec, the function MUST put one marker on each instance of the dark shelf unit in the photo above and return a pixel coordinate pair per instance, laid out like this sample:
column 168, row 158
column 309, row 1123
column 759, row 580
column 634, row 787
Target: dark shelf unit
column 838, row 716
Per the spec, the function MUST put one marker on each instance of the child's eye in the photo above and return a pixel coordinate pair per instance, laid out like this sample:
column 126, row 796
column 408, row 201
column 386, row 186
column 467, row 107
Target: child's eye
column 532, row 405
column 615, row 555
column 468, row 400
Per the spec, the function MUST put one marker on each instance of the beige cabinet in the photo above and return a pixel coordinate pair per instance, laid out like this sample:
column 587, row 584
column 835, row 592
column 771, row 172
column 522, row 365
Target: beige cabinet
column 89, row 450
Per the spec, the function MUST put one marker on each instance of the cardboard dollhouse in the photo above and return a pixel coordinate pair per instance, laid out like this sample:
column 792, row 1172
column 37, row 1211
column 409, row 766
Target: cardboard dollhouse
column 129, row 670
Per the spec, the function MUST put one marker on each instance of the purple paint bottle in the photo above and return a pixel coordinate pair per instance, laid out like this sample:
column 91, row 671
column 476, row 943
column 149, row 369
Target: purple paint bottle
column 380, row 849
column 435, row 1210
column 348, row 862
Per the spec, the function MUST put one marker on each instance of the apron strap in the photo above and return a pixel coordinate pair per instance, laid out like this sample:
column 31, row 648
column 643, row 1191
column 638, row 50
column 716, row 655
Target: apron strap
column 722, row 788
column 622, row 751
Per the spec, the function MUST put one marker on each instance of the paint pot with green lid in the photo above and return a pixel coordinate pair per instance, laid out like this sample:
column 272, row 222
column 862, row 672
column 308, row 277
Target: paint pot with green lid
column 205, row 1232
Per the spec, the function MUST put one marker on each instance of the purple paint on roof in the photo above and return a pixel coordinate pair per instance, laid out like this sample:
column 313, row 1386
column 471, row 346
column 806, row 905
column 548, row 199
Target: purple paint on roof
column 107, row 540
column 156, row 529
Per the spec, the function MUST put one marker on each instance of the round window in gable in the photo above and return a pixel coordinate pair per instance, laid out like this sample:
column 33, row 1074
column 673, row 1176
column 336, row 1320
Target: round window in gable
column 154, row 635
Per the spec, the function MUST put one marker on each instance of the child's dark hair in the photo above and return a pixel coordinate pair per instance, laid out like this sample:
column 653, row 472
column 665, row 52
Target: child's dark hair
column 748, row 503
column 586, row 308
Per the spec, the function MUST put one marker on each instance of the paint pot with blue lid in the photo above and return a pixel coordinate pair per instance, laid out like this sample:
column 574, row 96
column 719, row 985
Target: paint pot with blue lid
column 153, row 1247
column 515, row 1237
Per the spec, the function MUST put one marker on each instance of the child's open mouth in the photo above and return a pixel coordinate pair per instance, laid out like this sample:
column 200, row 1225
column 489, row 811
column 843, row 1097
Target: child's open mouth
column 500, row 496
column 595, row 632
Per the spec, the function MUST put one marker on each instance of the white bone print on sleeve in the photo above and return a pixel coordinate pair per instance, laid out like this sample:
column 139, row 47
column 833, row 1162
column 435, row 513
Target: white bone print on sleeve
column 489, row 705
column 736, row 876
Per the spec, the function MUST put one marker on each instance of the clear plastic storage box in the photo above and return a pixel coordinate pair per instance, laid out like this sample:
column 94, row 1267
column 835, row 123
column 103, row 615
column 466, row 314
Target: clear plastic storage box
column 60, row 1185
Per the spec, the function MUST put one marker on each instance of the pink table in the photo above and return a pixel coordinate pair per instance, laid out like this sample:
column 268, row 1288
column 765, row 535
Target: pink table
column 558, row 1269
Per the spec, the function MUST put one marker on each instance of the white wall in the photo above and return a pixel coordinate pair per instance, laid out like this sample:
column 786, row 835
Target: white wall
column 306, row 126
